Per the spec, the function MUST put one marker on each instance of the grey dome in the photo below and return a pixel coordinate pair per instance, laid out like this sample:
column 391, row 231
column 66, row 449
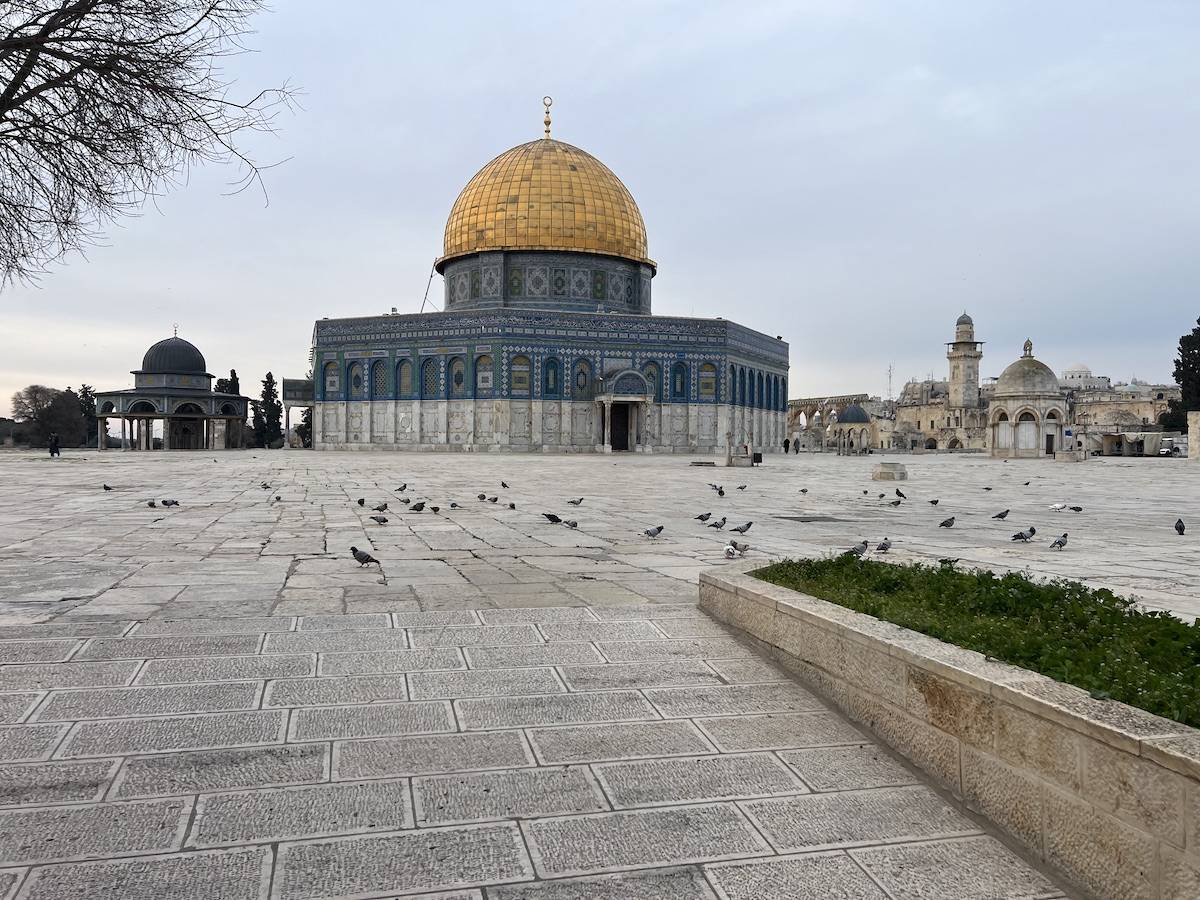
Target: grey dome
column 176, row 356
column 964, row 319
column 1025, row 377
column 854, row 415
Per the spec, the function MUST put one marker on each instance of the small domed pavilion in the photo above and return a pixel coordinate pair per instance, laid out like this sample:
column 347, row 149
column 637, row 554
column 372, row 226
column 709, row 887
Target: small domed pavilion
column 174, row 386
column 852, row 431
column 1028, row 410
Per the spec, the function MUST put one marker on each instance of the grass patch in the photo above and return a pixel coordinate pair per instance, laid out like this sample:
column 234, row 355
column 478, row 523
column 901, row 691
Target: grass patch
column 1063, row 629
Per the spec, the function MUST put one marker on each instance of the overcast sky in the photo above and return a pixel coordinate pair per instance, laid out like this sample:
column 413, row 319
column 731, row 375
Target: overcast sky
column 851, row 175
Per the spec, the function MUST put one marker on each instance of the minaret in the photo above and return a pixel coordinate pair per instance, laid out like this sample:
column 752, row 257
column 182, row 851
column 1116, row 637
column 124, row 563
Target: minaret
column 964, row 353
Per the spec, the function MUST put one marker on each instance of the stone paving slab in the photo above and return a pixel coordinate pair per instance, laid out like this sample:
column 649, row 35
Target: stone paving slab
column 65, row 833
column 519, row 712
column 511, row 794
column 38, row 784
column 225, row 668
column 812, row 875
column 63, row 630
column 438, row 617
column 601, row 631
column 559, row 654
column 162, row 647
column 432, row 753
column 14, row 707
column 110, row 703
column 474, row 636
column 848, row 768
column 334, row 641
column 485, row 683
column 19, row 743
column 733, row 699
column 779, row 732
column 402, row 862
column 325, row 722
column 232, row 625
column 658, row 782
column 68, row 675
column 700, row 648
column 221, row 770
column 37, row 651
column 385, row 662
column 638, row 675
column 240, row 874
column 335, row 691
column 201, row 732
column 542, row 615
column 259, row 816
column 655, row 884
column 580, row 845
column 592, row 743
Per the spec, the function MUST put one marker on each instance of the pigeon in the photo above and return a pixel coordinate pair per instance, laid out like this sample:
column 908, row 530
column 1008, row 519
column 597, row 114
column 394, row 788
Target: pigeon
column 402, row 488
column 704, row 517
column 1059, row 542
column 653, row 532
column 418, row 506
column 362, row 501
column 881, row 496
column 552, row 518
column 435, row 509
column 742, row 529
column 729, row 551
column 454, row 505
column 1179, row 526
column 987, row 488
column 715, row 487
column 1025, row 536
column 719, row 524
column 721, row 492
column 364, row 558
column 1026, row 484
column 504, row 484
column 857, row 550
column 571, row 523
column 405, row 501
column 804, row 490
column 382, row 507
column 933, row 503
column 278, row 498
column 946, row 523
column 575, row 502
column 740, row 549
column 382, row 520
column 512, row 506
column 741, row 487
column 949, row 562
column 885, row 545
column 895, row 502
column 1001, row 515
column 492, row 499
column 170, row 503
column 481, row 496
column 901, row 494
column 106, row 487
column 1058, row 507
column 154, row 505
column 1075, row 508
column 865, row 493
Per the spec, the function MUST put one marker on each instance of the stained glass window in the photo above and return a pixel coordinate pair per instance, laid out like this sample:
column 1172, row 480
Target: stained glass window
column 429, row 379
column 708, row 381
column 520, row 376
column 379, row 385
column 458, row 378
column 483, row 376
column 404, row 385
column 358, row 388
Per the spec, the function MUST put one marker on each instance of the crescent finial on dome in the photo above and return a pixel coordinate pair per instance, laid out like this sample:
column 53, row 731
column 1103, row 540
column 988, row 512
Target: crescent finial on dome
column 1028, row 347
column 547, row 102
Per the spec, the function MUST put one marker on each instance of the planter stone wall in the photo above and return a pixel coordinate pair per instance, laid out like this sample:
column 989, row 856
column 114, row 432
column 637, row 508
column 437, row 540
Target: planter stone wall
column 1105, row 793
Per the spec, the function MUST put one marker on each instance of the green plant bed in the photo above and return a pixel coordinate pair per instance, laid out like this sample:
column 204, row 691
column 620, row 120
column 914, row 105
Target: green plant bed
column 1063, row 629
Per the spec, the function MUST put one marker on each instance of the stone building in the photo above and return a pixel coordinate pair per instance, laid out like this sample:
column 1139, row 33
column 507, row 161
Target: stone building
column 546, row 341
column 1028, row 410
column 852, row 431
column 951, row 414
column 173, row 388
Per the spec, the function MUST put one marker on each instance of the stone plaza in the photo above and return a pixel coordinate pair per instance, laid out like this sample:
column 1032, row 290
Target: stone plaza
column 215, row 700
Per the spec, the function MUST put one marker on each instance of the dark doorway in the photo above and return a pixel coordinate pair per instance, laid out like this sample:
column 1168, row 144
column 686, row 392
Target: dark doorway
column 620, row 426
column 1049, row 445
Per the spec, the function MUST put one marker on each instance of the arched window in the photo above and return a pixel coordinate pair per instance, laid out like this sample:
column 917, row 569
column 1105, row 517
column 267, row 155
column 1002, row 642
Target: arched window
column 458, row 378
column 520, row 376
column 379, row 384
column 650, row 371
column 429, row 379
column 404, row 379
column 551, row 379
column 333, row 383
column 483, row 376
column 750, row 399
column 759, row 394
column 1051, row 416
column 581, row 380
column 1026, row 417
column 732, row 388
column 708, row 381
column 358, row 387
column 1003, row 417
column 679, row 381
column 741, row 387
column 783, row 404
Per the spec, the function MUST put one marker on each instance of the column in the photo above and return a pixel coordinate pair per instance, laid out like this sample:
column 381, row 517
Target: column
column 101, row 434
column 287, row 427
column 535, row 424
column 124, row 445
column 607, row 426
column 167, row 434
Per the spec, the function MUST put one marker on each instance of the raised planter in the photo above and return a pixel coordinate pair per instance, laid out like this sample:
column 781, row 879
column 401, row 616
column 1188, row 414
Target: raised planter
column 1105, row 793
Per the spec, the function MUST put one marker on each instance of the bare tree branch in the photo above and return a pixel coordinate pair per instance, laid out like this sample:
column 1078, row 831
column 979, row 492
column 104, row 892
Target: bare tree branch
column 103, row 104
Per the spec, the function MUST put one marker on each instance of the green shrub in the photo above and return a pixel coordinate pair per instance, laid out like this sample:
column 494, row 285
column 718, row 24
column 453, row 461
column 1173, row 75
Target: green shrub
column 1063, row 629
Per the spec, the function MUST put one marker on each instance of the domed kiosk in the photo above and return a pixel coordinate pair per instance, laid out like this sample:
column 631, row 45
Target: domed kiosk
column 173, row 386
column 546, row 340
column 852, row 431
column 1028, row 409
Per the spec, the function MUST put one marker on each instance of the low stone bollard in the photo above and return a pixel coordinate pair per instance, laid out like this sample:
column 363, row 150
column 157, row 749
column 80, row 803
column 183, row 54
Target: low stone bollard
column 889, row 472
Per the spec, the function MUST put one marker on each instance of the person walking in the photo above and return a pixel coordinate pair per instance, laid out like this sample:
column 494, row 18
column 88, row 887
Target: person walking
column 787, row 445
column 53, row 444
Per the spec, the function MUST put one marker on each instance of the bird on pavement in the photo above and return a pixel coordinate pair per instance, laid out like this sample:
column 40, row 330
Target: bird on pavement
column 1059, row 542
column 1026, row 535
column 1001, row 515
column 382, row 520
column 933, row 502
column 715, row 487
column 552, row 518
column 885, row 545
column 278, row 498
column 987, row 488
column 435, row 509
column 720, row 492
column 719, row 524
column 742, row 529
column 703, row 517
column 481, row 496
column 512, row 506
column 405, row 501
column 741, row 487
column 1075, row 508
column 653, row 532
column 857, row 550
column 1179, row 526
column 901, row 494
column 865, row 493
column 1026, row 484
column 382, row 507
column 946, row 523
column 492, row 499
column 804, row 490
column 364, row 558
column 571, row 523
column 504, row 484
column 881, row 496
column 362, row 501
column 154, row 505
column 739, row 549
column 1058, row 507
column 106, row 487
column 170, row 503
column 895, row 502
column 402, row 488
column 454, row 505
column 575, row 502
column 418, row 506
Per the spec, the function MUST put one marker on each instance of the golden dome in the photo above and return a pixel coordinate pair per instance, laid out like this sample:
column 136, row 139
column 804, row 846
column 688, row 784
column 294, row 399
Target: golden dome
column 545, row 195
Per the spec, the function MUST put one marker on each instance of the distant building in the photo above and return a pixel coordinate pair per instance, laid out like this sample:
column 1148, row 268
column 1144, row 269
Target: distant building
column 952, row 414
